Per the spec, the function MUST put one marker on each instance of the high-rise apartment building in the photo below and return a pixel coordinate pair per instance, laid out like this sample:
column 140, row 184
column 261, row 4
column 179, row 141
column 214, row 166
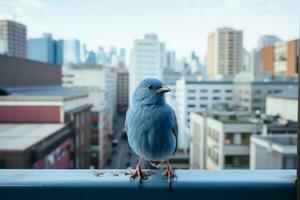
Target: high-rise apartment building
column 146, row 60
column 225, row 52
column 12, row 38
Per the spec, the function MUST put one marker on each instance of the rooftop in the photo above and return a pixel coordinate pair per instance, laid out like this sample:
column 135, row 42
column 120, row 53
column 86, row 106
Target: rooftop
column 283, row 143
column 22, row 136
column 40, row 92
column 293, row 95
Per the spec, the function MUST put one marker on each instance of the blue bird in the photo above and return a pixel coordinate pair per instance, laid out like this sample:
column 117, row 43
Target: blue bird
column 151, row 127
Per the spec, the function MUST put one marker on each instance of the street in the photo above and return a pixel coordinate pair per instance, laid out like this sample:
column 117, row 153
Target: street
column 121, row 155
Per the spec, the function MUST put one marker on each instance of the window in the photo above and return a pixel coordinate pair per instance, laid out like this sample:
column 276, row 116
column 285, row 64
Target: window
column 191, row 91
column 191, row 106
column 228, row 91
column 216, row 98
column 191, row 98
column 237, row 161
column 203, row 98
column 203, row 91
column 216, row 91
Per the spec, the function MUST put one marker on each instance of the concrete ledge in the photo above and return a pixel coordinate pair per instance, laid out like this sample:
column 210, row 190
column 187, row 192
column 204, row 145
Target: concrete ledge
column 114, row 184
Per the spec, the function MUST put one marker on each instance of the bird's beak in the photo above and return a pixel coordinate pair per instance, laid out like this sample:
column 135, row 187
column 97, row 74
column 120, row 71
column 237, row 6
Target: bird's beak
column 163, row 89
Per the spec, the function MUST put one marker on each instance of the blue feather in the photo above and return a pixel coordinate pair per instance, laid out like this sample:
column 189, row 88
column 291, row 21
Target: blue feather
column 151, row 123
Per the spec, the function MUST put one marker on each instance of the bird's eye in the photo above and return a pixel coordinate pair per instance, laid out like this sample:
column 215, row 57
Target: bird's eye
column 150, row 87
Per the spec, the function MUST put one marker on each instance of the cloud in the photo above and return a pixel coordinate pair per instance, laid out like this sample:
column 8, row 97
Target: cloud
column 19, row 10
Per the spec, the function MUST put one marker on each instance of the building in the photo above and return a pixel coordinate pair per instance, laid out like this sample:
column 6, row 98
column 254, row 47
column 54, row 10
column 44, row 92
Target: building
column 280, row 58
column 35, row 96
column 71, row 52
column 147, row 60
column 42, row 49
column 12, row 39
column 252, row 94
column 273, row 152
column 171, row 60
column 50, row 104
column 45, row 146
column 12, row 72
column 101, row 84
column 197, row 96
column 220, row 140
column 267, row 40
column 122, row 90
column 224, row 52
column 283, row 104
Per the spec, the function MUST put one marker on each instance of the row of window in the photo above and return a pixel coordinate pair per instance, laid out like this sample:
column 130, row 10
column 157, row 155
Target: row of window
column 214, row 156
column 205, row 91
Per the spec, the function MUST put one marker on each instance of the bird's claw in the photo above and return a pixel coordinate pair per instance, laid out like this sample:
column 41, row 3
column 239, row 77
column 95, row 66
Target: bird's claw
column 169, row 174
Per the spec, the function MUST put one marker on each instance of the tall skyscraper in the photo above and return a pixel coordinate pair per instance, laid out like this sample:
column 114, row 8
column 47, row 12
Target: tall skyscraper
column 266, row 40
column 171, row 59
column 146, row 60
column 225, row 52
column 101, row 57
column 71, row 52
column 41, row 49
column 122, row 57
column 12, row 38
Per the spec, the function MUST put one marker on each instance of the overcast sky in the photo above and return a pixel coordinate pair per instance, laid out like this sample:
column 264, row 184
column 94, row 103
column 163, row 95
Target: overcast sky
column 182, row 24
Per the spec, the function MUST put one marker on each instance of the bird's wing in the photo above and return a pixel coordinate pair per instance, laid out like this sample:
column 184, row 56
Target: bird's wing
column 175, row 129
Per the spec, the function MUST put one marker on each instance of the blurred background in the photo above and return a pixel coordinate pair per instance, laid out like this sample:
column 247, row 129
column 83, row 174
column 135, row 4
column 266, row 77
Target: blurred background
column 68, row 69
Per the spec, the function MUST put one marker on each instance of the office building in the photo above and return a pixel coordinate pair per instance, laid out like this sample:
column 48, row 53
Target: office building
column 12, row 39
column 220, row 140
column 71, row 52
column 197, row 96
column 146, row 60
column 122, row 90
column 252, row 94
column 101, row 85
column 283, row 104
column 273, row 152
column 224, row 52
column 42, row 49
column 171, row 60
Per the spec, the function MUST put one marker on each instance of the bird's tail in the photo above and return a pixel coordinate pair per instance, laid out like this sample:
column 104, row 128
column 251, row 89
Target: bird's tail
column 155, row 163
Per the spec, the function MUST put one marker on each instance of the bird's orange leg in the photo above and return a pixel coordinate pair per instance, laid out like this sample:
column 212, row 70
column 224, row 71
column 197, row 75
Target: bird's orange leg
column 169, row 174
column 138, row 173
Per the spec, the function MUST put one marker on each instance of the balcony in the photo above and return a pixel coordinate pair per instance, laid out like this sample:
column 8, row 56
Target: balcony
column 114, row 184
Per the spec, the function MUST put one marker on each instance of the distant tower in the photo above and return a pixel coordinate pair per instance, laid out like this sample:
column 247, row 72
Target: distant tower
column 146, row 60
column 12, row 38
column 225, row 52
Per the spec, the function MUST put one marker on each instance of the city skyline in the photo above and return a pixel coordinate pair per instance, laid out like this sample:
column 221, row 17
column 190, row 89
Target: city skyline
column 122, row 22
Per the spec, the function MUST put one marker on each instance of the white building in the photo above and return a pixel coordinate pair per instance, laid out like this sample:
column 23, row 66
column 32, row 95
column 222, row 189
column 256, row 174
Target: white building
column 284, row 104
column 100, row 83
column 252, row 94
column 273, row 152
column 148, row 57
column 197, row 96
column 224, row 52
column 220, row 142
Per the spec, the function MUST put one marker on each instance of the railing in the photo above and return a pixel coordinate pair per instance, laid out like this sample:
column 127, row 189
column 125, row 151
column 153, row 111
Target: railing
column 115, row 184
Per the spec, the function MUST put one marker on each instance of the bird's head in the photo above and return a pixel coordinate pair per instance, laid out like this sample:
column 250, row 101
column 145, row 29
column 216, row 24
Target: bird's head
column 150, row 91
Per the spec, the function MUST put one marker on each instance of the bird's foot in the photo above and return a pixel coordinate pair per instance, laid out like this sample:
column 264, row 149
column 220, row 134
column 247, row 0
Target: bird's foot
column 138, row 173
column 169, row 174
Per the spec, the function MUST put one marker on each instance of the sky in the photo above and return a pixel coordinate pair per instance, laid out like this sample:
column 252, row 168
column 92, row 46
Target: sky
column 182, row 24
